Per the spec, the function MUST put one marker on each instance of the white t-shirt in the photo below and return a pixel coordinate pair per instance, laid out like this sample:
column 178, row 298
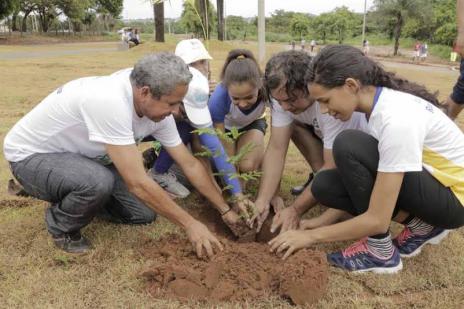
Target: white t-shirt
column 326, row 127
column 414, row 134
column 84, row 115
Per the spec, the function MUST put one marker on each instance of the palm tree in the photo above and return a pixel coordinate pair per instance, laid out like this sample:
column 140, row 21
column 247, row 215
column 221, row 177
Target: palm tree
column 220, row 19
column 399, row 11
column 158, row 12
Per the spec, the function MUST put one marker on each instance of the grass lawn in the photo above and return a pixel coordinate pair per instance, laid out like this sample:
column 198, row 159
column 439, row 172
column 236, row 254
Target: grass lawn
column 34, row 274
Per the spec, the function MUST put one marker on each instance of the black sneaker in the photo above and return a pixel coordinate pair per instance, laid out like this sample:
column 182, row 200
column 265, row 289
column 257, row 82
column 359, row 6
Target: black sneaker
column 72, row 243
column 299, row 189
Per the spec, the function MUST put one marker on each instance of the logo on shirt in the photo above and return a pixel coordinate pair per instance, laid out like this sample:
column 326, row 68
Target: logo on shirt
column 429, row 107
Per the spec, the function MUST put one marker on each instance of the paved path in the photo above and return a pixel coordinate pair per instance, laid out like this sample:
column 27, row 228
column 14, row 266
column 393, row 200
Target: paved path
column 61, row 50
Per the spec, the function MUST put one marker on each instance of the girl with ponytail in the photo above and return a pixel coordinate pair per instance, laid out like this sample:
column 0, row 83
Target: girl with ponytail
column 239, row 101
column 409, row 167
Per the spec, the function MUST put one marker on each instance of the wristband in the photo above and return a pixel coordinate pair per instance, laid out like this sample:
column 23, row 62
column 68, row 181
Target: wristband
column 225, row 212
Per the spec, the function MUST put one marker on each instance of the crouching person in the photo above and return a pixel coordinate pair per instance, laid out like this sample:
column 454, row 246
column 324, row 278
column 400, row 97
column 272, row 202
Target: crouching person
column 77, row 150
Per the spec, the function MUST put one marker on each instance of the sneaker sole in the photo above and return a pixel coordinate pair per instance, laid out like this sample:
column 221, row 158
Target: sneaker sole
column 382, row 270
column 433, row 241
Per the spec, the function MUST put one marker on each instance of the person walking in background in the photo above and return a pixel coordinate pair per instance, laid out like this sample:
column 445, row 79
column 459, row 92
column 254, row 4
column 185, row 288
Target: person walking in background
column 313, row 45
column 303, row 42
column 423, row 52
column 365, row 47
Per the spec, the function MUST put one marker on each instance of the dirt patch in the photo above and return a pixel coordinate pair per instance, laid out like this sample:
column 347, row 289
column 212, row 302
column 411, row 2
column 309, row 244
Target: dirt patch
column 242, row 233
column 242, row 272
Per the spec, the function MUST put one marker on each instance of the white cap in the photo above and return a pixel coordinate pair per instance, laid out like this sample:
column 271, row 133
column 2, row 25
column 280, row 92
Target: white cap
column 192, row 50
column 196, row 100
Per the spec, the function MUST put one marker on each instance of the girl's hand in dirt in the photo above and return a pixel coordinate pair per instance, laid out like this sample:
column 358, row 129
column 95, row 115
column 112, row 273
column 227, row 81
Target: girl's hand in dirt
column 287, row 219
column 201, row 237
column 291, row 241
column 245, row 208
column 261, row 213
column 310, row 224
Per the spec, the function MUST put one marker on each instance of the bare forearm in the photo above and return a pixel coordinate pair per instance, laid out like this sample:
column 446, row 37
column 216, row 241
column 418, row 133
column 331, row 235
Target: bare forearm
column 200, row 179
column 355, row 228
column 272, row 168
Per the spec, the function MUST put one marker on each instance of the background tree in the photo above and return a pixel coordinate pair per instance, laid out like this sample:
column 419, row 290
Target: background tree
column 6, row 8
column 343, row 22
column 220, row 19
column 192, row 20
column 158, row 12
column 321, row 26
column 400, row 11
column 300, row 25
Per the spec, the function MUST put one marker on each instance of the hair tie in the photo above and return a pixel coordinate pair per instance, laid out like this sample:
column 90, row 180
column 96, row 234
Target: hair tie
column 240, row 57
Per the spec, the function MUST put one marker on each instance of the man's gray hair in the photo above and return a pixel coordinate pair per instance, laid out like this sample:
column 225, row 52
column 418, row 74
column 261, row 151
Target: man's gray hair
column 161, row 72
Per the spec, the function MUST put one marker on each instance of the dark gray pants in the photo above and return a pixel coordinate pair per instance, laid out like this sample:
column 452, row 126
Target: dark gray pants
column 78, row 189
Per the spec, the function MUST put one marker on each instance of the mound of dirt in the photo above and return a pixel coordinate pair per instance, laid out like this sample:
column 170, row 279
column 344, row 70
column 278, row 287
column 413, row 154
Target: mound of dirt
column 242, row 272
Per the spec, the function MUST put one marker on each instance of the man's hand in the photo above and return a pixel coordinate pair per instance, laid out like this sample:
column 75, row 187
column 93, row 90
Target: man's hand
column 291, row 241
column 230, row 218
column 201, row 238
column 287, row 219
column 262, row 211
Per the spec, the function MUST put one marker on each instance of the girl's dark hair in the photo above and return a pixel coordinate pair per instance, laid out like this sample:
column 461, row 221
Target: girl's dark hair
column 288, row 67
column 241, row 66
column 334, row 64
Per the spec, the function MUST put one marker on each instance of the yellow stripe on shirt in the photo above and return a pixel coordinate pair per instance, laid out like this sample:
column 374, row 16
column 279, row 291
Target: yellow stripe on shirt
column 446, row 172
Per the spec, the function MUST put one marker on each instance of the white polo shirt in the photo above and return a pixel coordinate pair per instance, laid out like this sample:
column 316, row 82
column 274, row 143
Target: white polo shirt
column 84, row 115
column 326, row 127
column 414, row 134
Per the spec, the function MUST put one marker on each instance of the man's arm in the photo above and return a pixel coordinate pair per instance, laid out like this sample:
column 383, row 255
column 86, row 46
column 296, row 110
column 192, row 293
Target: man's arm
column 129, row 164
column 272, row 168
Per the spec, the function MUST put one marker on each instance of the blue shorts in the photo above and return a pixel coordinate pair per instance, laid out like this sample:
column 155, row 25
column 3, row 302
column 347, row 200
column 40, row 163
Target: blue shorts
column 458, row 90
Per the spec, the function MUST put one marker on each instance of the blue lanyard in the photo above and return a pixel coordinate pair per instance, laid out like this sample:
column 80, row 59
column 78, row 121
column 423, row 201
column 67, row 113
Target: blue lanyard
column 378, row 91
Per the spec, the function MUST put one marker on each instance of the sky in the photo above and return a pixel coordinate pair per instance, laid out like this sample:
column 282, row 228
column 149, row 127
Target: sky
column 134, row 9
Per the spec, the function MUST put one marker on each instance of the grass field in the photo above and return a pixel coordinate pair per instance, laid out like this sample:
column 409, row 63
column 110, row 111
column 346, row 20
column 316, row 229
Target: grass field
column 33, row 274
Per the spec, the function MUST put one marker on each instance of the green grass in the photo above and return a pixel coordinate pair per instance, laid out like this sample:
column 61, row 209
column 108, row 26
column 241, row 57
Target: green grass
column 33, row 274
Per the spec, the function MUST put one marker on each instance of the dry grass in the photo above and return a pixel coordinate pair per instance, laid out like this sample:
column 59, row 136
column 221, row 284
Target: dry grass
column 34, row 274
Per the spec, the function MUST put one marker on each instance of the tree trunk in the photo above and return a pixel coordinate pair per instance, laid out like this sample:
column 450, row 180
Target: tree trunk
column 14, row 19
column 398, row 28
column 204, row 17
column 158, row 10
column 24, row 22
column 220, row 19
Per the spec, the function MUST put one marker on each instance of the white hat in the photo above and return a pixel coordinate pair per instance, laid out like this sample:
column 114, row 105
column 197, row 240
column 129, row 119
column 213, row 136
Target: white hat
column 196, row 100
column 192, row 50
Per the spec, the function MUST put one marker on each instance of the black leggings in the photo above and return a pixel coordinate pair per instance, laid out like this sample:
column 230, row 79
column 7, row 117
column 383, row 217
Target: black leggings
column 349, row 186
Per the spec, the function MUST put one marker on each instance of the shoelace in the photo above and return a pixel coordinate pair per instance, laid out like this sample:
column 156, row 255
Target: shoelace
column 357, row 247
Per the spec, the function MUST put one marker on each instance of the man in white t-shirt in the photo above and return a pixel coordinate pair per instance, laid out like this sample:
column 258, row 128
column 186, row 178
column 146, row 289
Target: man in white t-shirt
column 77, row 149
column 292, row 105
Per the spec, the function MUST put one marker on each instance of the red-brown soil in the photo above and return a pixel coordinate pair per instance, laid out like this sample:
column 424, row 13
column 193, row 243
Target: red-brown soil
column 242, row 272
